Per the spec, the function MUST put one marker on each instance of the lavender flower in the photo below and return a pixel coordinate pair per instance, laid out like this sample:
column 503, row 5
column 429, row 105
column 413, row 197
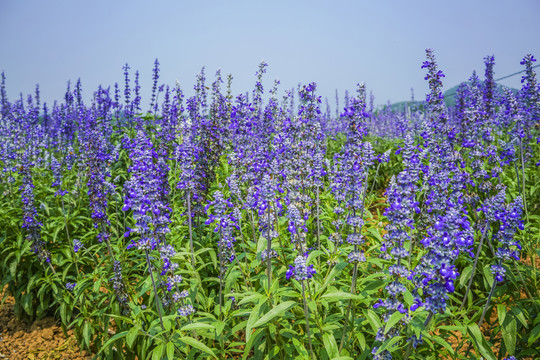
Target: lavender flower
column 510, row 222
column 77, row 245
column 144, row 195
column 224, row 225
column 300, row 270
column 56, row 169
column 186, row 310
column 30, row 219
column 119, row 287
column 70, row 286
column 97, row 157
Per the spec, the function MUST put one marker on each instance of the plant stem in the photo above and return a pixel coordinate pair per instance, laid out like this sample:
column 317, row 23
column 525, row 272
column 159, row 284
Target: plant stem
column 375, row 178
column 484, row 232
column 532, row 253
column 221, row 275
column 409, row 348
column 517, row 175
column 245, row 255
column 158, row 302
column 523, row 179
column 349, row 305
column 253, row 227
column 268, row 251
column 318, row 222
column 355, row 269
column 65, row 220
column 485, row 310
column 525, row 286
column 190, row 230
column 306, row 314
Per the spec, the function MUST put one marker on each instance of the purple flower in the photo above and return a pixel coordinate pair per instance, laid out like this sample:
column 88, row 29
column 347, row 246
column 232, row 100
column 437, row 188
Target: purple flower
column 185, row 310
column 224, row 221
column 30, row 220
column 70, row 286
column 300, row 270
column 77, row 245
column 146, row 193
column 119, row 287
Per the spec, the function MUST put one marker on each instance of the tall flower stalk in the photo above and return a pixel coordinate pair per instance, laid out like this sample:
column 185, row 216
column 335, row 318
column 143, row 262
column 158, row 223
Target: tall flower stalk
column 144, row 197
column 302, row 272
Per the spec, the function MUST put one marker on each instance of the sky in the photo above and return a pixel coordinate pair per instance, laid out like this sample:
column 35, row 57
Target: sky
column 336, row 44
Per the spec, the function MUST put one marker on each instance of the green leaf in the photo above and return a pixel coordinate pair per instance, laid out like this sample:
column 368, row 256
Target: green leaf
column 361, row 340
column 389, row 343
column 501, row 313
column 27, row 303
column 170, row 350
column 313, row 254
column 488, row 275
column 197, row 345
column 111, row 340
column 198, row 326
column 335, row 270
column 97, row 285
column 396, row 316
column 330, row 345
column 13, row 268
column 465, row 275
column 408, row 297
column 340, row 295
column 509, row 333
column 261, row 244
column 480, row 342
column 87, row 332
column 63, row 315
column 131, row 336
column 249, row 343
column 444, row 344
column 219, row 325
column 373, row 320
column 519, row 315
column 374, row 285
column 299, row 347
column 278, row 310
column 534, row 335
column 157, row 353
column 375, row 234
column 254, row 298
column 251, row 320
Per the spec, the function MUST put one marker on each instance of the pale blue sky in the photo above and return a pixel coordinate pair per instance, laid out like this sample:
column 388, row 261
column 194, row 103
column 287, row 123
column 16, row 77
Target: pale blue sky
column 334, row 43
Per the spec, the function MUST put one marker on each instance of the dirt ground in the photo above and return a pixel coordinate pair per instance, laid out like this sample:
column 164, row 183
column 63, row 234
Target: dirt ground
column 44, row 339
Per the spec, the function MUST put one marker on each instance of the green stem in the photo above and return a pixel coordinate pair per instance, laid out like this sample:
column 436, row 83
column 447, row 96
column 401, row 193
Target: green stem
column 349, row 305
column 268, row 251
column 409, row 348
column 523, row 180
column 190, row 230
column 156, row 295
column 484, row 232
column 318, row 222
column 221, row 274
column 306, row 314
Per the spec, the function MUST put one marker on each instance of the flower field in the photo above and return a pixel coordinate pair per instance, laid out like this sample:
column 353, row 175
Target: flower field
column 266, row 226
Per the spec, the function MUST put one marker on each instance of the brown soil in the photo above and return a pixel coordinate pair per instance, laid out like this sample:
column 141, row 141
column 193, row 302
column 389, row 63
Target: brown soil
column 44, row 339
column 526, row 259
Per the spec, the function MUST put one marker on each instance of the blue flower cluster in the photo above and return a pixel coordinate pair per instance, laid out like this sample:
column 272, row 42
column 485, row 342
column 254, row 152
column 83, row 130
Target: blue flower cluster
column 300, row 270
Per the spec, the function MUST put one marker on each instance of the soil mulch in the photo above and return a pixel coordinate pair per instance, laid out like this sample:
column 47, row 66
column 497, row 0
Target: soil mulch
column 44, row 339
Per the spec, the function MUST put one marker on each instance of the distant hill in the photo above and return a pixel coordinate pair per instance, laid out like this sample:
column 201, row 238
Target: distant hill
column 450, row 94
column 449, row 99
